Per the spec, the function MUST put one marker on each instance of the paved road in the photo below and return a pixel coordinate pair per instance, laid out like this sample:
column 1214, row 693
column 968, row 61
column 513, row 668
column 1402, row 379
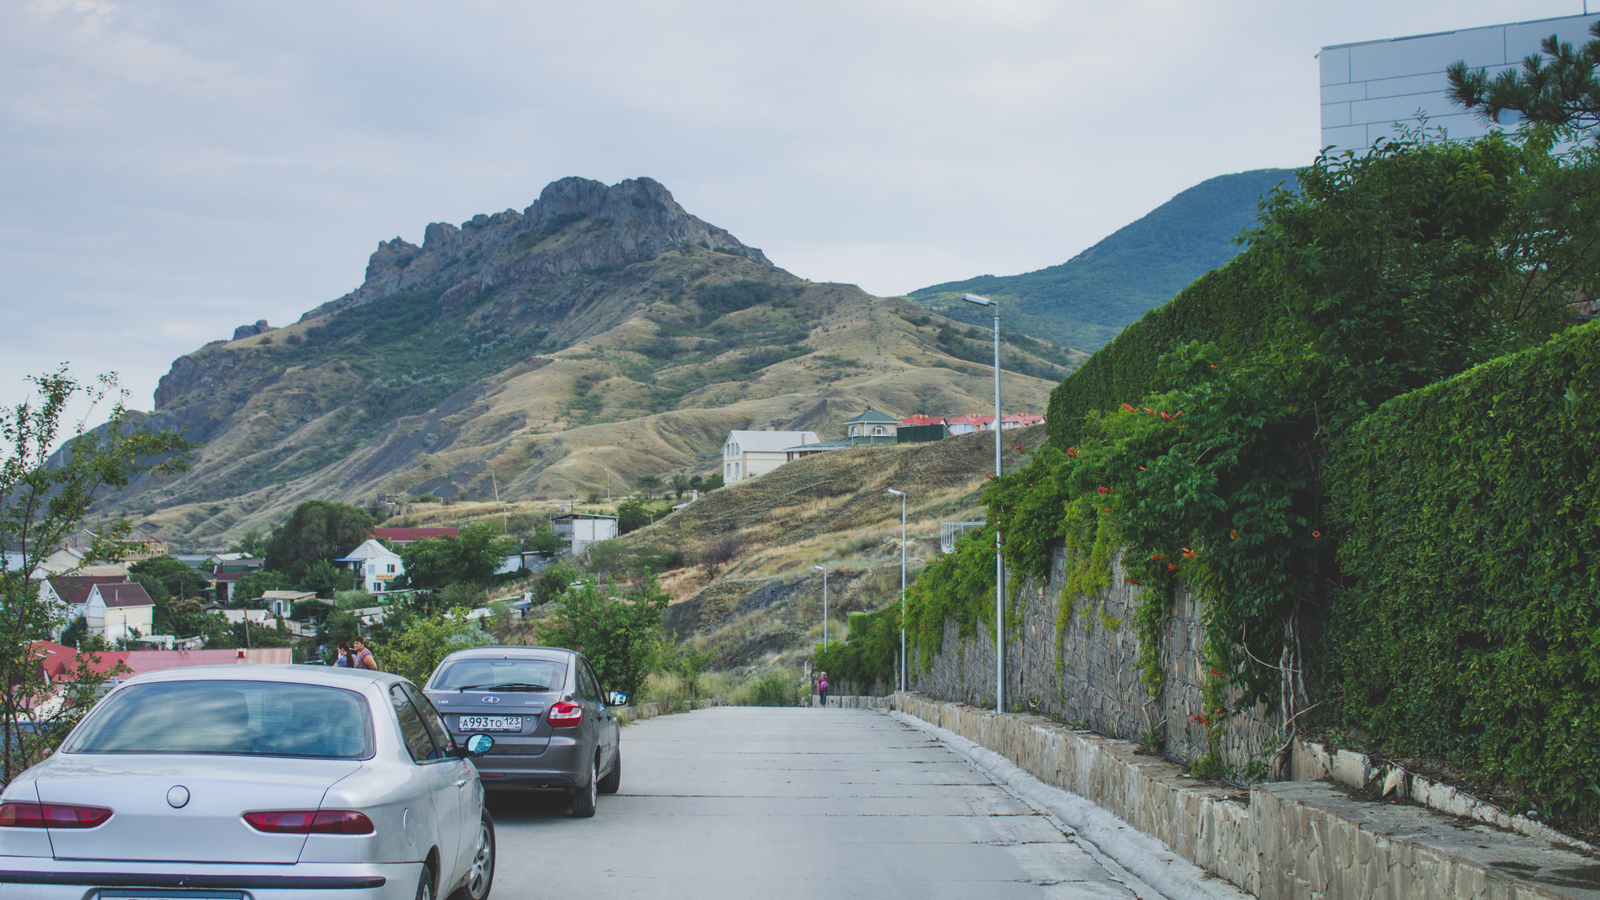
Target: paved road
column 808, row 804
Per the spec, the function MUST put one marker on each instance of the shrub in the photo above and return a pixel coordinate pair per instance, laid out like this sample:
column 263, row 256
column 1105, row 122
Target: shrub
column 1469, row 511
column 778, row 688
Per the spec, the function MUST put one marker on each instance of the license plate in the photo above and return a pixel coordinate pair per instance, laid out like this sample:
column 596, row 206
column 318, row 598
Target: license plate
column 491, row 723
column 170, row 895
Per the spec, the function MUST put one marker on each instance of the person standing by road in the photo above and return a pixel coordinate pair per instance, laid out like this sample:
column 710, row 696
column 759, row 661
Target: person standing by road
column 341, row 656
column 361, row 657
column 822, row 687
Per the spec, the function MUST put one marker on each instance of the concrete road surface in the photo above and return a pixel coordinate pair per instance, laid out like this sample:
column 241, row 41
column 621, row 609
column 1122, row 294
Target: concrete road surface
column 747, row 803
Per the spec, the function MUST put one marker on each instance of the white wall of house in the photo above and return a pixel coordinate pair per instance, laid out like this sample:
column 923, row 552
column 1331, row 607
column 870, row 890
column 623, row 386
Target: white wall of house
column 580, row 532
column 375, row 565
column 747, row 454
column 116, row 622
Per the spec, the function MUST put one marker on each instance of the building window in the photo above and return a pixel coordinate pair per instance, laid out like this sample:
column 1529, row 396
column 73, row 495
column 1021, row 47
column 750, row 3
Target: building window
column 391, row 568
column 377, row 587
column 878, row 430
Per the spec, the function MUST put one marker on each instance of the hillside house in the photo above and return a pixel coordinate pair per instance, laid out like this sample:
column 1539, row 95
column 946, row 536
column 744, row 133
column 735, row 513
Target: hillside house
column 1020, row 420
column 872, row 427
column 119, row 610
column 375, row 565
column 579, row 530
column 793, row 453
column 921, row 429
column 221, row 584
column 746, row 454
column 280, row 603
column 69, row 594
column 968, row 424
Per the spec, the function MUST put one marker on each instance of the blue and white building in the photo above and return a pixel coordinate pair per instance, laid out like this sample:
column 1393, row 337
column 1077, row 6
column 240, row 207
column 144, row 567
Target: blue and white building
column 1369, row 86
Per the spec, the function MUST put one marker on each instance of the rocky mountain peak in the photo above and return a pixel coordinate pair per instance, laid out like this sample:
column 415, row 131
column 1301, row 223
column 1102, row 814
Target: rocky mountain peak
column 576, row 224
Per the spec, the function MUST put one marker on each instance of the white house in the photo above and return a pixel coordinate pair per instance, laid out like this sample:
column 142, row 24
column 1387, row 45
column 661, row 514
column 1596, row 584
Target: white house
column 119, row 610
column 746, row 454
column 281, row 603
column 579, row 530
column 375, row 565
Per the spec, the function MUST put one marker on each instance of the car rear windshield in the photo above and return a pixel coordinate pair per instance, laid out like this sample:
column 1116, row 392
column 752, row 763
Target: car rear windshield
column 241, row 718
column 501, row 674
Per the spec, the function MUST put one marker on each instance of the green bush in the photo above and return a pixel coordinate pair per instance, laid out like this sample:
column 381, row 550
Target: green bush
column 1472, row 629
column 775, row 689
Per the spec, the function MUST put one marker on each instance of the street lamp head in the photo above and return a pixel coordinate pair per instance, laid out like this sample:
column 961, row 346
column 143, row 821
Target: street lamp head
column 897, row 493
column 981, row 301
column 819, row 568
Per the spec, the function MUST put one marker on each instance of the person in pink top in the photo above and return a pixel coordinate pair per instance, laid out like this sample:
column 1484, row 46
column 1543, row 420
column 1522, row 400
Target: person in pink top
column 822, row 687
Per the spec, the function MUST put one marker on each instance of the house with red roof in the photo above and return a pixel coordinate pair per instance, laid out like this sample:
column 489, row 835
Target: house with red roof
column 1020, row 420
column 60, row 663
column 403, row 536
column 70, row 593
column 968, row 424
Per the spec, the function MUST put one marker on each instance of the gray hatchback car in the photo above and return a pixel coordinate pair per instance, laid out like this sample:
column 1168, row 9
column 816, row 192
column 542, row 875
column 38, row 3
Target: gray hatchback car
column 548, row 715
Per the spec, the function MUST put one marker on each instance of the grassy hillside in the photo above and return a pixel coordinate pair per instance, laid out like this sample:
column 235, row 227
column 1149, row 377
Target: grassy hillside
column 527, row 354
column 1085, row 301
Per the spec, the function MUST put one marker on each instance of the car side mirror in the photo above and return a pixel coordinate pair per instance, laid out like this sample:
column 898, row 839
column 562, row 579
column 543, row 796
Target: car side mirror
column 616, row 698
column 478, row 745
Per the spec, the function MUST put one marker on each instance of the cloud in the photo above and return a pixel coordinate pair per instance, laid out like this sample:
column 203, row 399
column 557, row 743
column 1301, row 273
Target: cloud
column 172, row 170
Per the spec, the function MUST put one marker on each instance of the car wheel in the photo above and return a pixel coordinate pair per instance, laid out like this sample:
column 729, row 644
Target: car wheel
column 583, row 799
column 480, row 875
column 425, row 883
column 613, row 779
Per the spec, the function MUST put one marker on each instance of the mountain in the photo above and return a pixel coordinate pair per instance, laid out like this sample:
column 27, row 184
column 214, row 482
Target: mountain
column 1085, row 301
column 526, row 353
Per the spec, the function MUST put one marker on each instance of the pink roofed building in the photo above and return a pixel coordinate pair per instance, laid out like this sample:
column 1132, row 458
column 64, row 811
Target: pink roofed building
column 1020, row 420
column 968, row 424
column 61, row 662
column 916, row 421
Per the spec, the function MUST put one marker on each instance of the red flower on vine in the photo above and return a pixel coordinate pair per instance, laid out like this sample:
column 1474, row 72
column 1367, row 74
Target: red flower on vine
column 1141, row 468
column 1316, row 534
column 1172, row 567
column 1105, row 490
column 1127, row 408
column 1135, row 582
column 1017, row 447
column 1167, row 417
column 1215, row 674
column 1158, row 557
column 1072, row 451
column 1188, row 554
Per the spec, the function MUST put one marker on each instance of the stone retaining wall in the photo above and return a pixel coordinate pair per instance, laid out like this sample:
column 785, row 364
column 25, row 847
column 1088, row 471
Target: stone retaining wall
column 1283, row 841
column 1091, row 675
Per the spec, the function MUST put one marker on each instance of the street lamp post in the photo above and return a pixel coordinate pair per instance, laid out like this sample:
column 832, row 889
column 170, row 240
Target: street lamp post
column 824, row 572
column 903, row 663
column 999, row 574
column 608, row 483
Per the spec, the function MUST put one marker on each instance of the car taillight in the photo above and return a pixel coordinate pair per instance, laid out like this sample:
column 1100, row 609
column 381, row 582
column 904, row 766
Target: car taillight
column 565, row 715
column 309, row 821
column 51, row 815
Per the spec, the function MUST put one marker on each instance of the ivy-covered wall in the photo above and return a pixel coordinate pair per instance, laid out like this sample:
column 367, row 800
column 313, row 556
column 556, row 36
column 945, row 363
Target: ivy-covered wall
column 1469, row 518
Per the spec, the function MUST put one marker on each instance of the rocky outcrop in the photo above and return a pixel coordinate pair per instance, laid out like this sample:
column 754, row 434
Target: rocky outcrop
column 245, row 331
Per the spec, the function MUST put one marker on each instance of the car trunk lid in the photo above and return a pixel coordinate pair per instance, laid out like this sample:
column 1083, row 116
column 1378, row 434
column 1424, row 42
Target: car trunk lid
column 170, row 808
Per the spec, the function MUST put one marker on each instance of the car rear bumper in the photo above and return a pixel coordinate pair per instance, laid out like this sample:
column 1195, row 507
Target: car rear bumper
column 563, row 765
column 49, row 879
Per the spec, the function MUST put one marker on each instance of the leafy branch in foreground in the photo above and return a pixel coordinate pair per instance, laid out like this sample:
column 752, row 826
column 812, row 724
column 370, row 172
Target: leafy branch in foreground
column 44, row 495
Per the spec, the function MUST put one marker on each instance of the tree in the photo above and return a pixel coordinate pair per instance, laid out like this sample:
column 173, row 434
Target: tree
column 43, row 498
column 713, row 481
column 169, row 581
column 543, row 540
column 1560, row 92
column 618, row 634
column 317, row 529
column 471, row 557
column 718, row 554
column 415, row 645
column 632, row 515
column 680, row 484
column 649, row 484
column 325, row 580
column 250, row 544
column 252, row 585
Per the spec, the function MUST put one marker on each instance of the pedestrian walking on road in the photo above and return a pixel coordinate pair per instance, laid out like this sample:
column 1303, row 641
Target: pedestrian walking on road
column 361, row 657
column 822, row 687
column 341, row 656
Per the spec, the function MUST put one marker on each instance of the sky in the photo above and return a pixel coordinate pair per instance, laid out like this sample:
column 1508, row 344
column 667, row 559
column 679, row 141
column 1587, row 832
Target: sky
column 170, row 170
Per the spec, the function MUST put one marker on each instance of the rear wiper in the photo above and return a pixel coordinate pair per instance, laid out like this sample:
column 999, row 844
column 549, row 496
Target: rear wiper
column 510, row 686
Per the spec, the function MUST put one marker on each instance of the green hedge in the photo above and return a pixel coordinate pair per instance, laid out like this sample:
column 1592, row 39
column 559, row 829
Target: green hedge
column 1226, row 307
column 1470, row 512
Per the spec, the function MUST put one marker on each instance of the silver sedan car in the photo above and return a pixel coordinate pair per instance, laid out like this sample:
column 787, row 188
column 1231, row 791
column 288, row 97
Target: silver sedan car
column 252, row 783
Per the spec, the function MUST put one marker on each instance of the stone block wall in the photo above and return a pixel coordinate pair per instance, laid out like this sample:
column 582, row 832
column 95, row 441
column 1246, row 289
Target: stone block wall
column 1091, row 676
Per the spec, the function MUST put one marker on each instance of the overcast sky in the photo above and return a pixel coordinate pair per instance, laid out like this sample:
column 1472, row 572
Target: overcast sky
column 170, row 170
